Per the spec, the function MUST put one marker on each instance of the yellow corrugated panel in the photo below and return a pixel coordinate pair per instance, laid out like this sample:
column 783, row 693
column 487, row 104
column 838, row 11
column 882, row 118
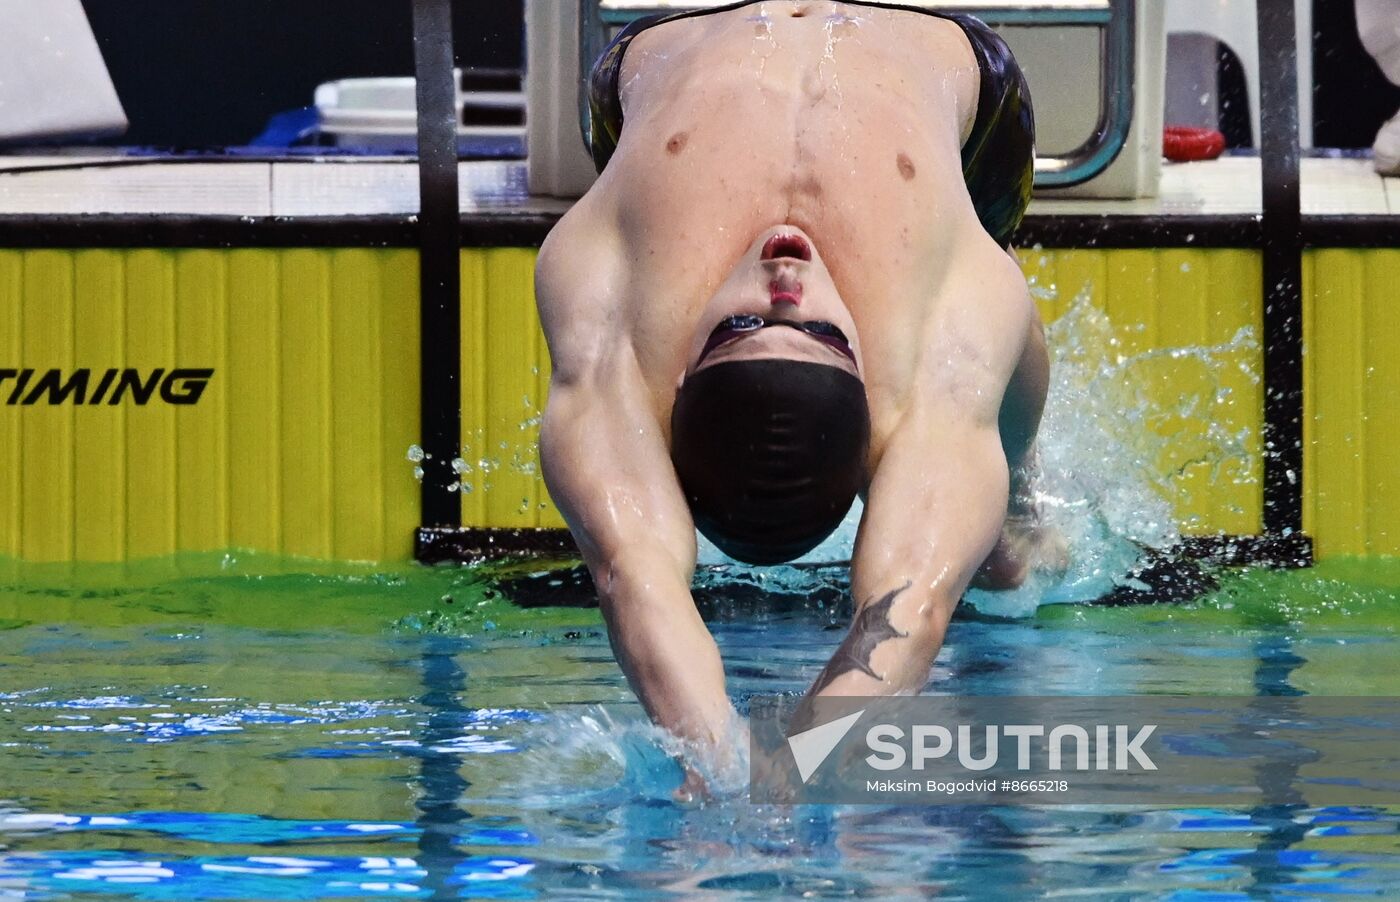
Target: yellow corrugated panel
column 1352, row 378
column 254, row 376
column 305, row 403
column 1166, row 299
column 1382, row 390
column 474, row 385
column 1183, row 283
column 201, row 433
column 46, row 531
column 297, row 444
column 1310, row 458
column 503, row 377
column 150, row 429
column 398, row 379
column 1235, row 289
column 323, row 381
column 514, row 402
column 100, row 344
column 1333, row 468
column 11, row 486
column 1132, row 277
column 357, row 405
column 1205, row 298
column 1079, row 275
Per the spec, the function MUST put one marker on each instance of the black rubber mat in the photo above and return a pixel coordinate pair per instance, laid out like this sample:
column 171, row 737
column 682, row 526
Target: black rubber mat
column 725, row 591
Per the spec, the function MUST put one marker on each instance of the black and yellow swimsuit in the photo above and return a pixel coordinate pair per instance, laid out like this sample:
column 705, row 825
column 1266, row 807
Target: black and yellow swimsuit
column 998, row 158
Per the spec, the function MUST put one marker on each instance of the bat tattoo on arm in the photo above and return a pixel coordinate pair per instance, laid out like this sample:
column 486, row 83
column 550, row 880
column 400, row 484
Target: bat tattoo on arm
column 872, row 627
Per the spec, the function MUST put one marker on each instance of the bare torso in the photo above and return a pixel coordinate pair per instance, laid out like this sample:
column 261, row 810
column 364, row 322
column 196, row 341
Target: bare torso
column 843, row 120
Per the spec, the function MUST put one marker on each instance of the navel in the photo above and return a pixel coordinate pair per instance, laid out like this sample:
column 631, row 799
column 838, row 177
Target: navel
column 677, row 143
column 906, row 166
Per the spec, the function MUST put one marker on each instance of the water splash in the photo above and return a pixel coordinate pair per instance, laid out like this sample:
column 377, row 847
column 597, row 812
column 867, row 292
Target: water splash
column 1097, row 481
column 604, row 756
column 519, row 456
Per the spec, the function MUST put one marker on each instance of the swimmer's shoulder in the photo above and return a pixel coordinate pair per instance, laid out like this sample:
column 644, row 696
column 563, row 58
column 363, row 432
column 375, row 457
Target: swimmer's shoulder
column 648, row 48
column 666, row 43
column 582, row 254
column 580, row 281
column 945, row 42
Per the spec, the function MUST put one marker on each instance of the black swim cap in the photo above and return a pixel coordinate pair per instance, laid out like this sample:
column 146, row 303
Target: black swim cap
column 770, row 454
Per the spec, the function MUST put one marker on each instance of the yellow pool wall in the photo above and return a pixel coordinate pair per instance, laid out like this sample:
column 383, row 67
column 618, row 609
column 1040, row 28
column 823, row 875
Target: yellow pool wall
column 299, row 445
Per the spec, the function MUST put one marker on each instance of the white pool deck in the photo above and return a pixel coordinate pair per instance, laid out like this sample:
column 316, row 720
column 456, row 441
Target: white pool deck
column 337, row 187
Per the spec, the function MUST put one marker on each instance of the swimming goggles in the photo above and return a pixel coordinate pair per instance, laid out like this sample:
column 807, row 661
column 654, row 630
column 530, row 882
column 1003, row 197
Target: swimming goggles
column 740, row 324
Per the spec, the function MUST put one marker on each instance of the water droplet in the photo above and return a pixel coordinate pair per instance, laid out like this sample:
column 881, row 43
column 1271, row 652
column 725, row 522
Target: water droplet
column 415, row 453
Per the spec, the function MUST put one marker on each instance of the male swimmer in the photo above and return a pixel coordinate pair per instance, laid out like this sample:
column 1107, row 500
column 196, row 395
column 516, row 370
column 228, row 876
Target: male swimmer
column 791, row 285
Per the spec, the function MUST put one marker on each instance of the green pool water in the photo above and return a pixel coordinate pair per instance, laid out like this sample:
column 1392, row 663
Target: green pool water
column 240, row 727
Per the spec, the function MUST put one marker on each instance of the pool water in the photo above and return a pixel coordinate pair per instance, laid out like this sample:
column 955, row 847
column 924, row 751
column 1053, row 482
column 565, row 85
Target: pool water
column 210, row 728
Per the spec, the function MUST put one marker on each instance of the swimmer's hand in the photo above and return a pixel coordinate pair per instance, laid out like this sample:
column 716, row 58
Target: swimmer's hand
column 693, row 789
column 714, row 769
column 1026, row 544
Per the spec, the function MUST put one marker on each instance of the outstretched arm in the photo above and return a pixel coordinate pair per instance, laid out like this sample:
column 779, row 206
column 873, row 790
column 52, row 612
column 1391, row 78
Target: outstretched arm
column 938, row 500
column 933, row 514
column 606, row 464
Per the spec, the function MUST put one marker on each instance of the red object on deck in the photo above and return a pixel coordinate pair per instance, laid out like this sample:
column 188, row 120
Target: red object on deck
column 1183, row 144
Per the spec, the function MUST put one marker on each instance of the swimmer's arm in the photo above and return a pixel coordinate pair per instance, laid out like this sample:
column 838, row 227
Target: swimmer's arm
column 938, row 500
column 607, row 468
column 931, row 518
column 606, row 464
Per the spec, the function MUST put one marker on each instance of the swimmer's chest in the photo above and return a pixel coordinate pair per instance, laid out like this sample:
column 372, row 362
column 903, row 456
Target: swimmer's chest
column 850, row 132
column 803, row 73
column 844, row 122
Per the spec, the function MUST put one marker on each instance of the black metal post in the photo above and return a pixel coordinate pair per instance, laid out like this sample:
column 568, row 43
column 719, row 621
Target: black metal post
column 1282, row 269
column 440, row 319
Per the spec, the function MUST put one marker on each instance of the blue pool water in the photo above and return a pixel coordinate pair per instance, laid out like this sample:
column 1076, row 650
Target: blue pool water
column 249, row 732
